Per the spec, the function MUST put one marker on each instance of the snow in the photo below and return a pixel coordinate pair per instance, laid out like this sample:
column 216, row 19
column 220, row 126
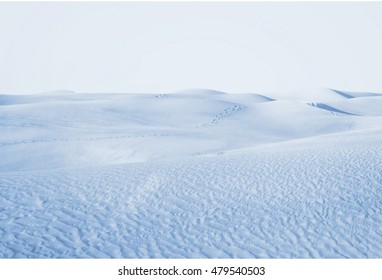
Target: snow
column 191, row 174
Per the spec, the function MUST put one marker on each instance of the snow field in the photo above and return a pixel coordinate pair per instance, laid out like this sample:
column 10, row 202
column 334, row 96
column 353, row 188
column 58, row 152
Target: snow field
column 196, row 173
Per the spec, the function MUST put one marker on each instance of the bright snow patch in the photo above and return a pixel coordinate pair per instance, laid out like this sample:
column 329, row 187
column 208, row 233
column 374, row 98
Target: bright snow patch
column 195, row 173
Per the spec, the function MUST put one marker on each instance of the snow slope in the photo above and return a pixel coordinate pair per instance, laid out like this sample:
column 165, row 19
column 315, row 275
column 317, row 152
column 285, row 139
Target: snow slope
column 196, row 173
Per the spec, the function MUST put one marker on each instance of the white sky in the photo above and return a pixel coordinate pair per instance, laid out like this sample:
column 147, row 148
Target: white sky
column 163, row 47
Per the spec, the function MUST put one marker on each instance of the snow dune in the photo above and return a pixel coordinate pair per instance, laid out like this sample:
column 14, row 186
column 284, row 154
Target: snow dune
column 195, row 173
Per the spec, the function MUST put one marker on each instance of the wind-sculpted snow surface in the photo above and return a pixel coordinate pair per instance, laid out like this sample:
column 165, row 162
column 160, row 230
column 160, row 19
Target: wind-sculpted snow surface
column 192, row 174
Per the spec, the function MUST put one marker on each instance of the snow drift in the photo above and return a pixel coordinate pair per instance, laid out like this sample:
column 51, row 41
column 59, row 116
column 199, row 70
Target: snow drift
column 195, row 173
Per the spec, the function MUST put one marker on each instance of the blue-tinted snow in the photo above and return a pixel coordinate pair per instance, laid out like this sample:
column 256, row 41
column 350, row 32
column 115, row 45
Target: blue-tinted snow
column 196, row 173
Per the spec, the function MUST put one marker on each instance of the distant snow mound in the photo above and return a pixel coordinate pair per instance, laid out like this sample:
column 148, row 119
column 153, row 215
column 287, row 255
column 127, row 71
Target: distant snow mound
column 318, row 95
column 223, row 96
column 248, row 97
column 356, row 94
column 199, row 91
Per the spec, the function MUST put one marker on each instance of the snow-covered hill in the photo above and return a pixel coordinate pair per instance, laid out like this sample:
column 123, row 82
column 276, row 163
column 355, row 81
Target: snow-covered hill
column 195, row 173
